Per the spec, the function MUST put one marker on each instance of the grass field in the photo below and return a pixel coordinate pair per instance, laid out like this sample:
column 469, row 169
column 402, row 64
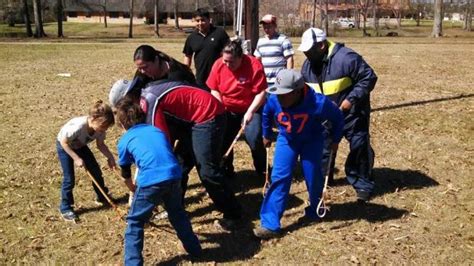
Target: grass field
column 422, row 132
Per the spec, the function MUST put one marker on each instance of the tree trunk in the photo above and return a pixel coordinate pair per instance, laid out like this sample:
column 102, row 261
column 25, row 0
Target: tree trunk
column 130, row 27
column 223, row 14
column 313, row 18
column 326, row 17
column 376, row 18
column 399, row 19
column 364, row 6
column 251, row 23
column 356, row 14
column 321, row 14
column 418, row 14
column 364, row 25
column 438, row 19
column 333, row 26
column 468, row 17
column 235, row 15
column 60, row 13
column 156, row 18
column 26, row 16
column 105, row 13
column 176, row 19
column 39, row 31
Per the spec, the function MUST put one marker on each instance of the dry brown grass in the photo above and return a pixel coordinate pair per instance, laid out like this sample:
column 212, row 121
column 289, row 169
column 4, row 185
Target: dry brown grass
column 422, row 214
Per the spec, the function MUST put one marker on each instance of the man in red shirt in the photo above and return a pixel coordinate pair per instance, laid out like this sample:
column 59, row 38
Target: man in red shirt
column 238, row 81
column 197, row 120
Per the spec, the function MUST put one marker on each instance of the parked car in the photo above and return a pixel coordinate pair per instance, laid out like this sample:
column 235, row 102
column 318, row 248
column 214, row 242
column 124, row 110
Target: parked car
column 344, row 23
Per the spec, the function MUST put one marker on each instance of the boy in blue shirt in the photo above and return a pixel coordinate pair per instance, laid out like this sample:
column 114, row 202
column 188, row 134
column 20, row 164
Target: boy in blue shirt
column 159, row 180
column 299, row 113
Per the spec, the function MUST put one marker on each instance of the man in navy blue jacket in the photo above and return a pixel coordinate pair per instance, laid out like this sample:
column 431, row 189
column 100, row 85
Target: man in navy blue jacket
column 343, row 75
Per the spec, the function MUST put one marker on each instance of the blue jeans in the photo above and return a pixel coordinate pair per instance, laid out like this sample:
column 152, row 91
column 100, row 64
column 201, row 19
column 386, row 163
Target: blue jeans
column 206, row 142
column 67, row 165
column 360, row 160
column 253, row 137
column 284, row 160
column 144, row 201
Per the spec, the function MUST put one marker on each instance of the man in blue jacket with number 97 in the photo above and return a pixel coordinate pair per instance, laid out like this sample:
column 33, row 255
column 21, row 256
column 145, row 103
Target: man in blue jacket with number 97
column 299, row 113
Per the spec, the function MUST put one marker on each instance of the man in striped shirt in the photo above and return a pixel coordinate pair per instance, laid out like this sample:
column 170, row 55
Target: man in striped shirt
column 274, row 50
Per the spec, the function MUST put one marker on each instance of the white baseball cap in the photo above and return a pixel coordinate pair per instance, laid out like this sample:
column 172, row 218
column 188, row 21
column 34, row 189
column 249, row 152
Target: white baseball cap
column 120, row 88
column 310, row 37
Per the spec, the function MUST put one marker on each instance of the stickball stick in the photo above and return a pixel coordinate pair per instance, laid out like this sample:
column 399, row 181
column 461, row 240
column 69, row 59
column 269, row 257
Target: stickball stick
column 119, row 212
column 267, row 174
column 234, row 141
column 321, row 209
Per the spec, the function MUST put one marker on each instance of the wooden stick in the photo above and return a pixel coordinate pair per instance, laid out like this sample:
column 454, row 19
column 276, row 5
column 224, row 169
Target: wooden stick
column 267, row 174
column 119, row 212
column 321, row 205
column 176, row 141
column 235, row 141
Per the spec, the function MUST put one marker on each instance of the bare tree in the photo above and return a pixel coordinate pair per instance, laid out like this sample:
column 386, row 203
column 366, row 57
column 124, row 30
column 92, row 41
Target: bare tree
column 397, row 10
column 224, row 13
column 469, row 20
column 60, row 13
column 356, row 13
column 156, row 18
column 104, row 10
column 364, row 10
column 467, row 23
column 321, row 13
column 26, row 17
column 251, row 23
column 376, row 17
column 438, row 19
column 313, row 16
column 39, row 31
column 418, row 13
column 130, row 27
column 326, row 16
column 8, row 10
column 176, row 20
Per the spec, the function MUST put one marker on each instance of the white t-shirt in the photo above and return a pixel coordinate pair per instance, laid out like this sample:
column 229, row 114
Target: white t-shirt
column 75, row 131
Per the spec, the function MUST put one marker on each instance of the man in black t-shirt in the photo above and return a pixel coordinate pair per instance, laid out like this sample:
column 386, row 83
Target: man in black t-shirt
column 206, row 44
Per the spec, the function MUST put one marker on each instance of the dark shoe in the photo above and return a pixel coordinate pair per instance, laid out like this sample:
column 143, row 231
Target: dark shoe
column 69, row 216
column 230, row 174
column 228, row 224
column 363, row 196
column 264, row 233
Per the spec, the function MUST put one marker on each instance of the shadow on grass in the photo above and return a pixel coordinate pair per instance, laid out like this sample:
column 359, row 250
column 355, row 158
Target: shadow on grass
column 388, row 180
column 370, row 212
column 246, row 180
column 416, row 103
column 353, row 211
column 250, row 203
column 226, row 247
